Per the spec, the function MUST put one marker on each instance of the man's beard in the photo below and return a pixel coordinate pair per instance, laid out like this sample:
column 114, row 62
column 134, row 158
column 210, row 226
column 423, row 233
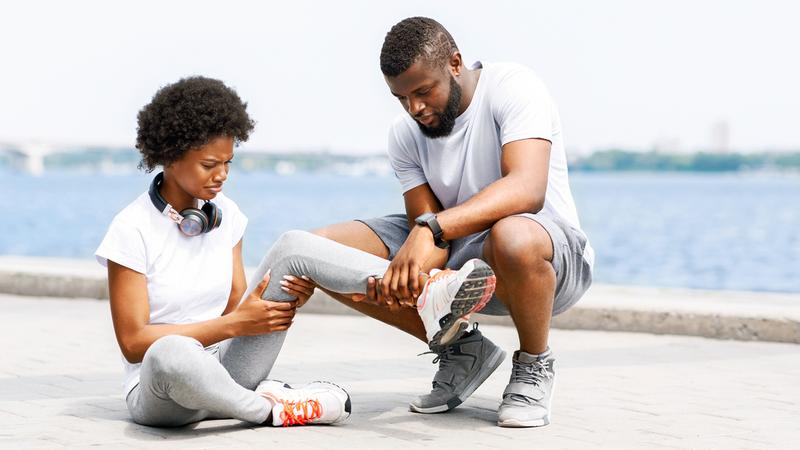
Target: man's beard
column 447, row 119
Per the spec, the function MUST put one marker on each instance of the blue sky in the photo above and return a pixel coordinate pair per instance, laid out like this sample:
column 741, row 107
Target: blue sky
column 624, row 73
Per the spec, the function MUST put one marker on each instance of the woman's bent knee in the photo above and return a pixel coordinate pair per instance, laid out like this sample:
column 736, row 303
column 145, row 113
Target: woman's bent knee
column 171, row 354
column 294, row 247
column 294, row 240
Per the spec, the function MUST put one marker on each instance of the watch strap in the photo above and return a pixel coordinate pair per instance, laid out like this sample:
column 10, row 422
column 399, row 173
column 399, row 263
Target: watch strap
column 429, row 220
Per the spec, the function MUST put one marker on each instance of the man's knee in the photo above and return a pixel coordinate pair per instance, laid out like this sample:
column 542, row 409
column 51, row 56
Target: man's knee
column 328, row 232
column 518, row 242
column 341, row 232
column 355, row 234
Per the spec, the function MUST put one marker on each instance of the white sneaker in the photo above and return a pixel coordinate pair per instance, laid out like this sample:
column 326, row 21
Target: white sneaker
column 527, row 400
column 319, row 402
column 449, row 297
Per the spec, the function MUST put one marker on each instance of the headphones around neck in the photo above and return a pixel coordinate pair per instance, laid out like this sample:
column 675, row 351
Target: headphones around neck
column 191, row 221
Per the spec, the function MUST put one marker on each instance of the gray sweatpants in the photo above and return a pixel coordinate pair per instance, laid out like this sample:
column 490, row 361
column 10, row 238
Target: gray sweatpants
column 180, row 382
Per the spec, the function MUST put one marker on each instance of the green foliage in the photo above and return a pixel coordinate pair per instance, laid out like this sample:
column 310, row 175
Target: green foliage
column 621, row 160
column 607, row 160
column 92, row 157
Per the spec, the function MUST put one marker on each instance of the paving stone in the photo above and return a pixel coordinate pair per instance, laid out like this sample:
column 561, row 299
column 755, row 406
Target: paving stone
column 61, row 387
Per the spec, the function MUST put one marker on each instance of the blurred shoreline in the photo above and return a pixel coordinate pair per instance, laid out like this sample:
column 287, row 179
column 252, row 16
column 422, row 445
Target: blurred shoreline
column 38, row 159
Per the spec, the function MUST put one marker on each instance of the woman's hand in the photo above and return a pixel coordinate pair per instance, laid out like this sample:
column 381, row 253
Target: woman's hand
column 301, row 287
column 256, row 316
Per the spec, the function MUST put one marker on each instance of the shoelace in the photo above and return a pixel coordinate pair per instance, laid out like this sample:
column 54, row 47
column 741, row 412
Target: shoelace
column 300, row 412
column 432, row 279
column 442, row 358
column 530, row 373
column 439, row 275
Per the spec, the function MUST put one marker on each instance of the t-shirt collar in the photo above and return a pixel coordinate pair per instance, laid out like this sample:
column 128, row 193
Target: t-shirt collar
column 465, row 116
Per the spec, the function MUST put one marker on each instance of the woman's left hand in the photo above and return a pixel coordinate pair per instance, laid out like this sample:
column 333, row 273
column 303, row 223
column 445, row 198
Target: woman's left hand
column 300, row 287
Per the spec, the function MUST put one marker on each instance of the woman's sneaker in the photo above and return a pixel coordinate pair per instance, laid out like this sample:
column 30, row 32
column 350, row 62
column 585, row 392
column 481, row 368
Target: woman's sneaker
column 449, row 297
column 316, row 403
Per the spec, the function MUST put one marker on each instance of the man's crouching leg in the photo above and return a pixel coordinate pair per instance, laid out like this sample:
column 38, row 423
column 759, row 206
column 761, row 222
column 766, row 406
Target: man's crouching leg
column 520, row 251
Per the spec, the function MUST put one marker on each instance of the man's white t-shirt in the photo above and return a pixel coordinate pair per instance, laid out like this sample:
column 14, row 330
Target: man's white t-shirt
column 510, row 103
column 188, row 278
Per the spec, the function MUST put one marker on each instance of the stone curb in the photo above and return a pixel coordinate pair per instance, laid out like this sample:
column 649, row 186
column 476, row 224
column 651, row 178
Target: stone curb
column 714, row 314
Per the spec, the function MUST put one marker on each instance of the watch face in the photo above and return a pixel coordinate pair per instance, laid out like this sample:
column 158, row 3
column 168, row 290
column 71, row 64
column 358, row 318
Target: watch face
column 423, row 219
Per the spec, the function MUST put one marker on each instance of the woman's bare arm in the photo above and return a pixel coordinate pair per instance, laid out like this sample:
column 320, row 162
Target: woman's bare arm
column 239, row 285
column 130, row 313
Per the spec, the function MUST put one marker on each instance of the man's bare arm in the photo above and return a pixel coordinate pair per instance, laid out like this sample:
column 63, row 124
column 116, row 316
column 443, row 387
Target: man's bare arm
column 524, row 166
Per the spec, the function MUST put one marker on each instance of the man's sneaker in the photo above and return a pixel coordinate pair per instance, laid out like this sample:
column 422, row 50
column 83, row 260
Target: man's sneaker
column 526, row 400
column 449, row 297
column 463, row 366
column 319, row 402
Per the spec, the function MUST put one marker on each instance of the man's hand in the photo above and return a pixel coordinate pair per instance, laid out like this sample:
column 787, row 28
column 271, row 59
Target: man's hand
column 256, row 316
column 374, row 296
column 400, row 284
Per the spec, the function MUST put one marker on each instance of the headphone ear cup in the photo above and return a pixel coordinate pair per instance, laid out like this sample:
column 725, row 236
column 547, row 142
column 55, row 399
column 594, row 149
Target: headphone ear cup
column 214, row 215
column 193, row 215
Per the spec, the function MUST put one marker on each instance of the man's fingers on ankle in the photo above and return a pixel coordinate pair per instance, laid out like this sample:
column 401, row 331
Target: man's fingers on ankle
column 414, row 278
column 402, row 281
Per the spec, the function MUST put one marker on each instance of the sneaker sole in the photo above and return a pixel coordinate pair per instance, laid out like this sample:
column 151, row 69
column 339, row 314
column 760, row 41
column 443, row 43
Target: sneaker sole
column 492, row 363
column 513, row 423
column 524, row 424
column 473, row 294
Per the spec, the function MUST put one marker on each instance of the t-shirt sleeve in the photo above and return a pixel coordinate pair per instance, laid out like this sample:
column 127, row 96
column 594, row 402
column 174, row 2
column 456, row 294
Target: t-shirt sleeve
column 123, row 244
column 404, row 158
column 522, row 107
column 238, row 221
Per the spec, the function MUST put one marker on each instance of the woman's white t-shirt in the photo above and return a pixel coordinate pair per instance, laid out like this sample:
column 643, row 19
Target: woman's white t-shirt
column 188, row 278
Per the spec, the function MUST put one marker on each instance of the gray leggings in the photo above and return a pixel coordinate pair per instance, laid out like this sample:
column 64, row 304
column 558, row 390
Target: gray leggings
column 181, row 382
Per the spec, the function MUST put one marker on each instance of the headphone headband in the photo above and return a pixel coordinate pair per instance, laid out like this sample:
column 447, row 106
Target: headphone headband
column 158, row 201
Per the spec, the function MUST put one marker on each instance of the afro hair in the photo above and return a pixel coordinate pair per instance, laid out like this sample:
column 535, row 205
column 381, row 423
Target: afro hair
column 186, row 115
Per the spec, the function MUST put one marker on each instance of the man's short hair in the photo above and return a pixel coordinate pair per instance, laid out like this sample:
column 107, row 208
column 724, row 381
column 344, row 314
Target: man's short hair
column 414, row 38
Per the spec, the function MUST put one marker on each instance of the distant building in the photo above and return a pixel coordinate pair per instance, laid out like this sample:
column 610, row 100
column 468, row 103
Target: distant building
column 721, row 137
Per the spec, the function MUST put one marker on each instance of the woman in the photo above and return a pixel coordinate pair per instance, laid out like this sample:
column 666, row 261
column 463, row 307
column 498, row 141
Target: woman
column 192, row 350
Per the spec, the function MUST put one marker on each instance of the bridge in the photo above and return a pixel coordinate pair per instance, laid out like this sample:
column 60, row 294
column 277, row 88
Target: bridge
column 28, row 157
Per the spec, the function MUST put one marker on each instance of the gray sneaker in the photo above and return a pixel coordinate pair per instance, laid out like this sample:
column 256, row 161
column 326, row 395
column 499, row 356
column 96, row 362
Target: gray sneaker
column 526, row 400
column 463, row 366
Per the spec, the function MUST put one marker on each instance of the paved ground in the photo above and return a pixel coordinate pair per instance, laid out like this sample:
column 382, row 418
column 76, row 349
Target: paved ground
column 60, row 386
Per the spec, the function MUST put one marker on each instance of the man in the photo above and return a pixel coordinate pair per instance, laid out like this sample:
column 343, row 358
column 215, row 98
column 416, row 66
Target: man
column 480, row 157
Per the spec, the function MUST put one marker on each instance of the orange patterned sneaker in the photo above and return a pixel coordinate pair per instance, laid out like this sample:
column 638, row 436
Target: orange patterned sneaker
column 316, row 403
column 449, row 297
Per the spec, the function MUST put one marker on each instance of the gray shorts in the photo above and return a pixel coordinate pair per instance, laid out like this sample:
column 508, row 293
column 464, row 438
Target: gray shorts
column 573, row 274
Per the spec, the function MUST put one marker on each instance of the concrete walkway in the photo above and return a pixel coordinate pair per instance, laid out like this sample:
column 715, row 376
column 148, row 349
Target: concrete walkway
column 60, row 376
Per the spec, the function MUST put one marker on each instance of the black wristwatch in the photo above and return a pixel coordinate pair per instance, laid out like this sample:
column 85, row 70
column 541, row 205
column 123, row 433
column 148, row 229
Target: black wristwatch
column 429, row 220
